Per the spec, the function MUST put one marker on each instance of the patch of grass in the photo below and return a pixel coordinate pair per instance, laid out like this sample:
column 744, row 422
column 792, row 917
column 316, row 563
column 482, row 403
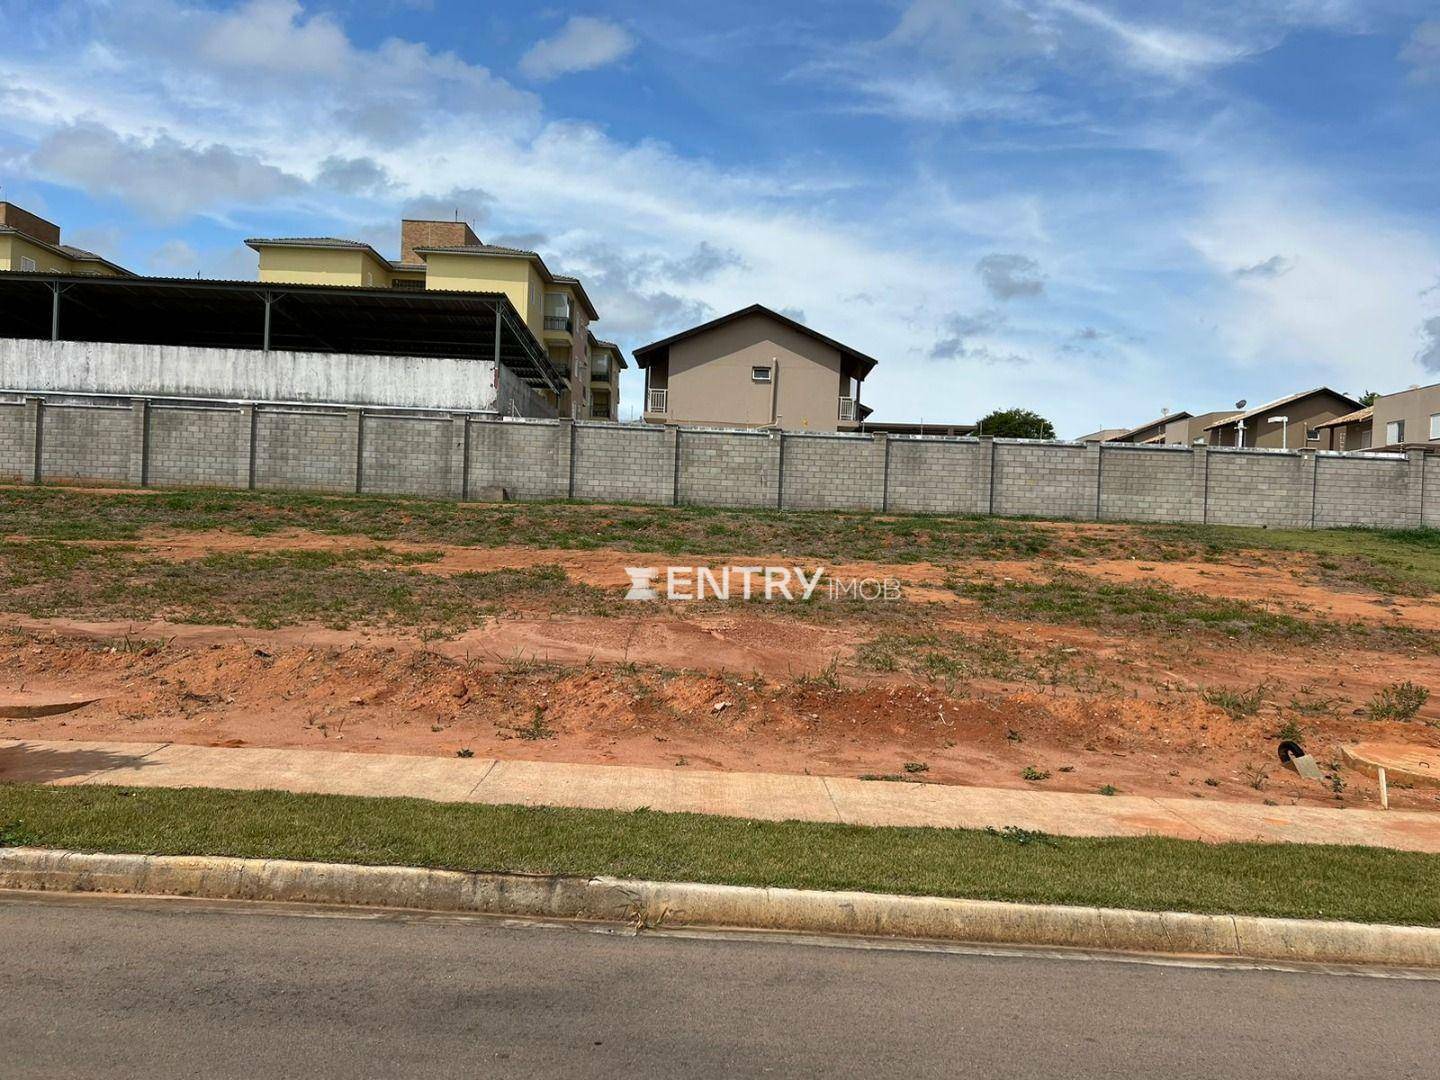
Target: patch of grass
column 1034, row 775
column 1290, row 731
column 1151, row 873
column 1078, row 599
column 73, row 514
column 1238, row 704
column 943, row 656
column 1398, row 701
column 1108, row 789
column 1393, row 561
column 277, row 588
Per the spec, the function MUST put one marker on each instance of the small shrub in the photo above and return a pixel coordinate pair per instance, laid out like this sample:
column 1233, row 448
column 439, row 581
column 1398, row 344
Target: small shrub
column 1031, row 773
column 916, row 767
column 1238, row 704
column 465, row 752
column 1290, row 731
column 1109, row 789
column 1398, row 701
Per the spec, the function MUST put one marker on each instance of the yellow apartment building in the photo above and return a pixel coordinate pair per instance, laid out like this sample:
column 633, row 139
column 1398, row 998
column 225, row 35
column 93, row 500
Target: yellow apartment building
column 448, row 255
column 30, row 244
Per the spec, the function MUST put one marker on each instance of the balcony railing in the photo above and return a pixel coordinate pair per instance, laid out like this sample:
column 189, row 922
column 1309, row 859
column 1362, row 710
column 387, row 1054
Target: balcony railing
column 559, row 322
column 657, row 401
column 847, row 408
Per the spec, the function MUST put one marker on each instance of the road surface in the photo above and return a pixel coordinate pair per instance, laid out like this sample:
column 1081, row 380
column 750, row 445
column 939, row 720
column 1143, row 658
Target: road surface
column 102, row 987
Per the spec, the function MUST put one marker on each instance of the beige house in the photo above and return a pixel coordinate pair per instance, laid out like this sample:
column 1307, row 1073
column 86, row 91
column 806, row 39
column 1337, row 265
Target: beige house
column 448, row 255
column 1291, row 422
column 1410, row 418
column 754, row 368
column 606, row 363
column 30, row 244
column 1172, row 429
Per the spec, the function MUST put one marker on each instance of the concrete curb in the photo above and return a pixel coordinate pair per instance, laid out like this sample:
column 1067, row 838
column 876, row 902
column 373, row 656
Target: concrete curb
column 676, row 904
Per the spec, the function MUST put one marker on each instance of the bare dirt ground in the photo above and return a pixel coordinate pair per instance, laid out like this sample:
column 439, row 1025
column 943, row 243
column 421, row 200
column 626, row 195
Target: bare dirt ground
column 770, row 687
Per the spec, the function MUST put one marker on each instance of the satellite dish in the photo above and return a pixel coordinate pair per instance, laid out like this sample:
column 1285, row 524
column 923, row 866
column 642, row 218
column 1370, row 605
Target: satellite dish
column 1241, row 403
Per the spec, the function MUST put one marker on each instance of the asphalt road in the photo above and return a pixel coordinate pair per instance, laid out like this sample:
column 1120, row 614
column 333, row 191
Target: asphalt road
column 121, row 988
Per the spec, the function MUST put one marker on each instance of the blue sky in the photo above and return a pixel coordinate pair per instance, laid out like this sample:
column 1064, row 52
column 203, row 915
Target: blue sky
column 1098, row 209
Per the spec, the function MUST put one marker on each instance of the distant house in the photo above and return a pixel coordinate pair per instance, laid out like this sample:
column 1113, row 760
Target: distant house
column 1353, row 431
column 1290, row 422
column 915, row 428
column 1103, row 435
column 30, row 244
column 754, row 368
column 1173, row 429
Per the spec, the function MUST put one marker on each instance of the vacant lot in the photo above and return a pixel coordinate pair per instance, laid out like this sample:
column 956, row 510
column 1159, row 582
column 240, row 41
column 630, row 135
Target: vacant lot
column 1079, row 657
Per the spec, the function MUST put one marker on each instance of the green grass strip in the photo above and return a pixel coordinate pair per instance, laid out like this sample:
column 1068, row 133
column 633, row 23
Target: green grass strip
column 1302, row 881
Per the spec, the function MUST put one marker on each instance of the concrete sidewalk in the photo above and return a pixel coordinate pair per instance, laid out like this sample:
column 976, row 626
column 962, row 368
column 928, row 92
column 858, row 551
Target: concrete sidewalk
column 768, row 796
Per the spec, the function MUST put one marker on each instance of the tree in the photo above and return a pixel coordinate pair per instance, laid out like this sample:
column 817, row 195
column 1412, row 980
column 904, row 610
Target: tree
column 1015, row 424
column 1368, row 398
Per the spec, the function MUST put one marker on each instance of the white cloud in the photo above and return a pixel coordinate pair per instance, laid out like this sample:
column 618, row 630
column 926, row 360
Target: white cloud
column 584, row 43
column 1422, row 52
column 1007, row 276
column 274, row 36
column 164, row 178
column 1161, row 49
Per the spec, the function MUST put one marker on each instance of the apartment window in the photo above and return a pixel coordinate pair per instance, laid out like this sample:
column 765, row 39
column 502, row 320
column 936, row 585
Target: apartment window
column 600, row 367
column 27, row 263
column 760, row 374
column 1312, row 434
column 557, row 312
column 1435, row 425
column 1394, row 432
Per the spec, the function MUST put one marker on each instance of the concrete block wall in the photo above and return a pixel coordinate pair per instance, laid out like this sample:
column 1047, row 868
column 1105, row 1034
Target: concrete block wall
column 932, row 476
column 1259, row 488
column 1045, row 479
column 624, row 463
column 1352, row 491
column 79, row 442
column 532, row 461
column 198, row 447
column 299, row 450
column 406, row 455
column 15, row 443
column 1430, row 490
column 1150, row 484
column 444, row 455
column 833, row 472
column 726, row 468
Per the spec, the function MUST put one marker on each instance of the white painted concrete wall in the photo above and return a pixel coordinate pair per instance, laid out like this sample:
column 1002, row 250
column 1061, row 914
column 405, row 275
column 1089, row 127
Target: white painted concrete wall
column 249, row 375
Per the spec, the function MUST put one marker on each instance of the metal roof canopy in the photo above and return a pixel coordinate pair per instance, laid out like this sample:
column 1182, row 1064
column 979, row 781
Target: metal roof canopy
column 260, row 315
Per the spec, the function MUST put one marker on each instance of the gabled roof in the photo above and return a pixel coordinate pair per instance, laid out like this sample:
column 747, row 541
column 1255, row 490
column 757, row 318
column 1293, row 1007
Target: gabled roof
column 74, row 254
column 645, row 354
column 335, row 243
column 517, row 253
column 325, row 243
column 596, row 343
column 1279, row 403
column 1132, row 432
column 1355, row 417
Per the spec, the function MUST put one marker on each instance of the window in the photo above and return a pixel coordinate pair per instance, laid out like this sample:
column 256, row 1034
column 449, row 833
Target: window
column 760, row 374
column 1435, row 425
column 1394, row 432
column 1312, row 434
column 600, row 367
column 27, row 263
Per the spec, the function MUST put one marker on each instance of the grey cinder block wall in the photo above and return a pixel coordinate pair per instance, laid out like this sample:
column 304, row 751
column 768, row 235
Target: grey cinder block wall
column 429, row 453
